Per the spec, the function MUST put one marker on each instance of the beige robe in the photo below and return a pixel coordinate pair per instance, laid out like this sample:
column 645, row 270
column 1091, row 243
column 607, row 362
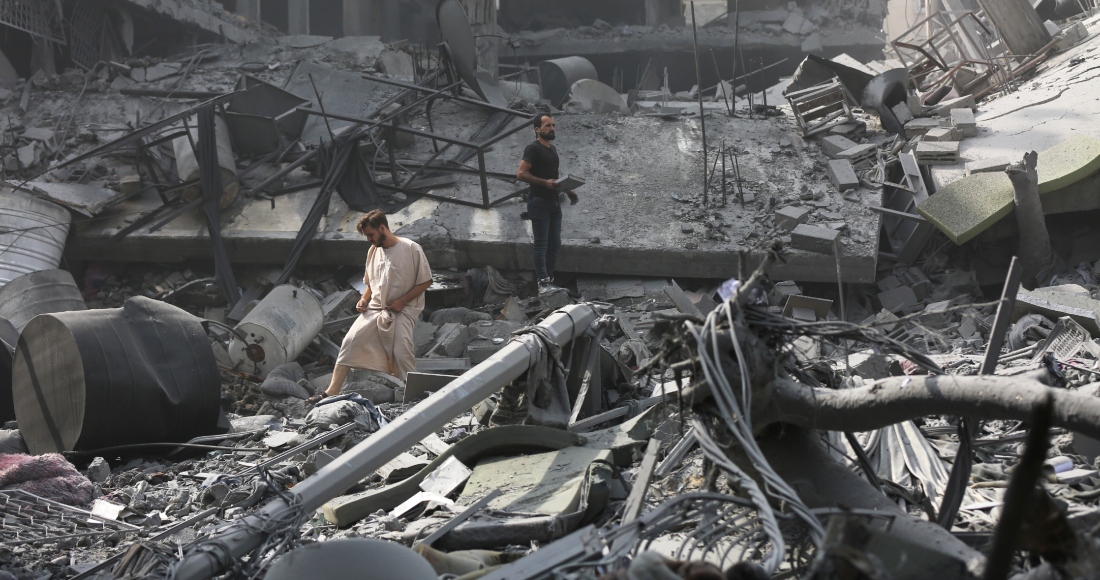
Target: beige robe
column 381, row 339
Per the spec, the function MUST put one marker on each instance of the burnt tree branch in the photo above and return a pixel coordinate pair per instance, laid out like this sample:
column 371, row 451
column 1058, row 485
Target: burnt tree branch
column 897, row 399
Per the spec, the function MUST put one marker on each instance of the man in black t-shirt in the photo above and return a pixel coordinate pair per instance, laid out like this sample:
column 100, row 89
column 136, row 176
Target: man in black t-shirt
column 539, row 168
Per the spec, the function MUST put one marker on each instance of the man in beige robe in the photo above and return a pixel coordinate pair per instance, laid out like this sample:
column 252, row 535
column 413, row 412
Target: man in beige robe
column 397, row 274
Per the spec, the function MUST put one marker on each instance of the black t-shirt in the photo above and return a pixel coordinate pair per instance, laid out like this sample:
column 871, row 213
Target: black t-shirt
column 544, row 165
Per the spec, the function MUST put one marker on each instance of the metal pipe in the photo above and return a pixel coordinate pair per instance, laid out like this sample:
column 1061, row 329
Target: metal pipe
column 390, row 441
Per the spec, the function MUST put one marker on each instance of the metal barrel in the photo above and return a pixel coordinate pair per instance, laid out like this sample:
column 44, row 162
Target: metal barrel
column 142, row 373
column 32, row 234
column 558, row 76
column 276, row 331
column 37, row 293
column 21, row 300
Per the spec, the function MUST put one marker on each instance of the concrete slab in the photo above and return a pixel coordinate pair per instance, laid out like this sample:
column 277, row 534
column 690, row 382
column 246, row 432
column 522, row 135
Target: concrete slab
column 966, row 207
column 637, row 192
column 544, row 483
column 1059, row 102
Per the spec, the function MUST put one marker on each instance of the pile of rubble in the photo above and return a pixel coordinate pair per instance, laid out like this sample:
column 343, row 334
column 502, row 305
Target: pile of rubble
column 943, row 419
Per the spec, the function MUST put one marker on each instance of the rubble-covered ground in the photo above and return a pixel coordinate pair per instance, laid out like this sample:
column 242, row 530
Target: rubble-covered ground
column 754, row 424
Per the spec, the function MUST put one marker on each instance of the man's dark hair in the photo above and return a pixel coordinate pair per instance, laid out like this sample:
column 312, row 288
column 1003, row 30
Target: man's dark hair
column 374, row 219
column 538, row 120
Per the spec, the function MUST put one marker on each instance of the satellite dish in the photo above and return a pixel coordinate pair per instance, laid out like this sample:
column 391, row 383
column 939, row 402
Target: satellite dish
column 454, row 28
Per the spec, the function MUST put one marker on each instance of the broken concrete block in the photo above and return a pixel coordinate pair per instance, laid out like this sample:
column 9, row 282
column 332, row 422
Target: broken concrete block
column 38, row 134
column 935, row 315
column 818, row 307
column 848, row 129
column 941, row 134
column 451, row 340
column 789, row 216
column 513, row 311
column 317, row 460
column 423, row 337
column 794, row 22
column 963, row 122
column 860, row 155
column 129, row 185
column 869, row 365
column 28, row 155
column 813, row 43
column 397, row 63
column 98, row 470
column 902, row 112
column 687, row 228
column 986, row 166
column 920, row 126
column 778, row 295
column 888, row 283
column 919, row 282
column 943, row 108
column 834, row 144
column 401, row 467
column 543, row 483
column 814, row 239
column 842, row 174
column 937, row 153
column 897, row 299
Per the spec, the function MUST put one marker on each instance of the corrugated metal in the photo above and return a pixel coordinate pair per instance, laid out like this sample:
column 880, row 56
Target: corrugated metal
column 39, row 293
column 32, row 235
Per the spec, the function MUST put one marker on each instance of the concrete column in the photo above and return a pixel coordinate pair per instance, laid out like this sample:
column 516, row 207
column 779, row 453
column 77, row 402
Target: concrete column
column 1018, row 25
column 298, row 17
column 357, row 17
column 250, row 9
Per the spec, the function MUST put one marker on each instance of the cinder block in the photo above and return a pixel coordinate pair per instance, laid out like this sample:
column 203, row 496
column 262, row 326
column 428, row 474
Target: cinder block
column 789, row 216
column 942, row 134
column 943, row 108
column 964, row 123
column 860, row 155
column 814, row 239
column 842, row 175
column 834, row 144
column 920, row 126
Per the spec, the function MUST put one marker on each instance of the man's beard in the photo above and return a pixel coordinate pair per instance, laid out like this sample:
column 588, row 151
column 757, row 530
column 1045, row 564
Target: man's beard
column 381, row 240
column 548, row 136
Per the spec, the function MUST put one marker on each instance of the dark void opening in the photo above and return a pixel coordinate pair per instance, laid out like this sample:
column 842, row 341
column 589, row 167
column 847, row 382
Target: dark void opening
column 17, row 47
column 276, row 13
column 230, row 5
column 516, row 15
column 326, row 18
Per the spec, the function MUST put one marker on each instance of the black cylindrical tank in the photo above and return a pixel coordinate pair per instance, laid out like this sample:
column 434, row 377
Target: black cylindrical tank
column 98, row 378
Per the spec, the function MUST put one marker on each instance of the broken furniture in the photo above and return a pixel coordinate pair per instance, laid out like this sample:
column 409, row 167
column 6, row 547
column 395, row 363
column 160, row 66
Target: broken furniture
column 819, row 107
column 906, row 231
column 266, row 120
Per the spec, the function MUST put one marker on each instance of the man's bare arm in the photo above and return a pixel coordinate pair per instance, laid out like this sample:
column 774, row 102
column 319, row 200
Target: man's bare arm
column 524, row 175
column 399, row 304
column 365, row 301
